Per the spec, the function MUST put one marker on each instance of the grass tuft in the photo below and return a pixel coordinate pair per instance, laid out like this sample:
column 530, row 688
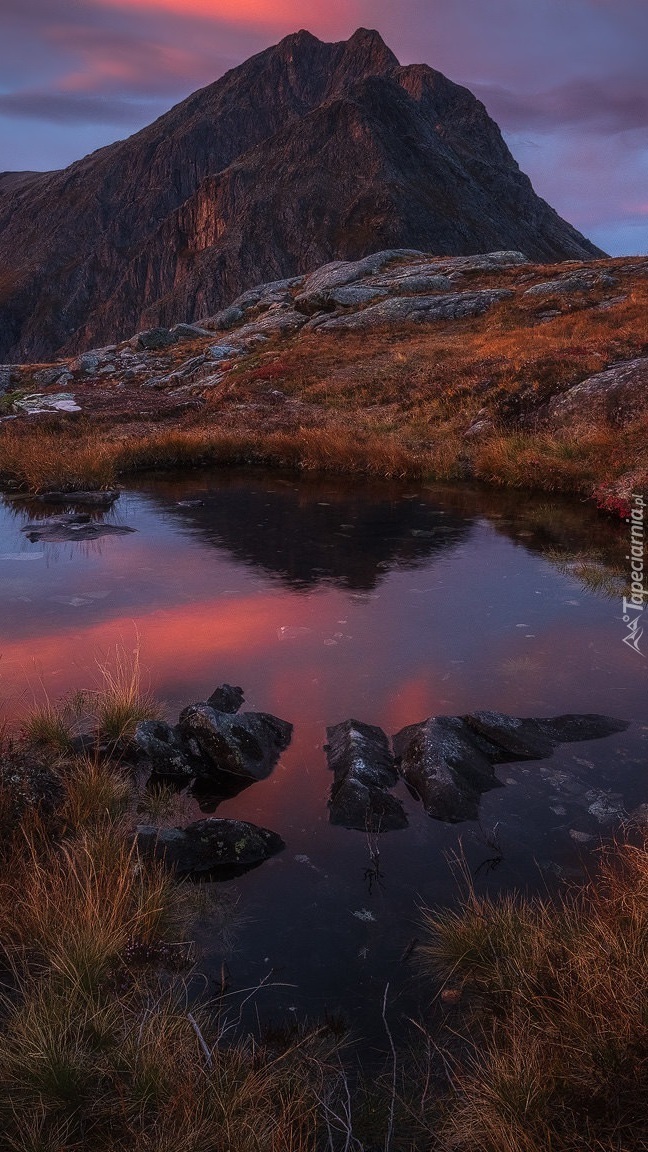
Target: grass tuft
column 558, row 1014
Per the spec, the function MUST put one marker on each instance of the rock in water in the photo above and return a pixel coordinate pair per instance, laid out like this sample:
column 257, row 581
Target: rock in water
column 363, row 766
column 167, row 751
column 226, row 698
column 448, row 761
column 446, row 766
column 248, row 744
column 535, row 739
column 104, row 498
column 210, row 845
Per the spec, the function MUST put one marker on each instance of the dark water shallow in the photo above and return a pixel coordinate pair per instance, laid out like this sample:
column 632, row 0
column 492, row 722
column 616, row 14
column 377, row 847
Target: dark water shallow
column 326, row 600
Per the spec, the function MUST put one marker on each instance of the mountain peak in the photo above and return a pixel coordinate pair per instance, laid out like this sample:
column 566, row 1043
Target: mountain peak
column 306, row 153
column 369, row 44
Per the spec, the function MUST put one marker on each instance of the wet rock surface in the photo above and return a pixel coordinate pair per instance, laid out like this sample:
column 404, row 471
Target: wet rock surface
column 364, row 771
column 248, row 744
column 446, row 767
column 449, row 761
column 213, row 743
column 72, row 526
column 209, row 847
column 103, row 499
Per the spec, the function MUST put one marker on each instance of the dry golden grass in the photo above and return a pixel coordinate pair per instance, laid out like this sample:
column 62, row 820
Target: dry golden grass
column 558, row 1014
column 101, row 1046
column 396, row 402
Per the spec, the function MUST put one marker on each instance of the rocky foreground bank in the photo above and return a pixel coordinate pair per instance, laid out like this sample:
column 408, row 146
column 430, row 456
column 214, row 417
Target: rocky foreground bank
column 400, row 363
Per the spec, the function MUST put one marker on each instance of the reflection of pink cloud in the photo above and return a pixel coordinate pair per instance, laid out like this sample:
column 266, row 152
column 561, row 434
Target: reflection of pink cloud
column 172, row 643
column 413, row 702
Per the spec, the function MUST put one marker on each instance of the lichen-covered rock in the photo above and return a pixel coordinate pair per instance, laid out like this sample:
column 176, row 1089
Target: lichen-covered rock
column 209, row 845
column 168, row 753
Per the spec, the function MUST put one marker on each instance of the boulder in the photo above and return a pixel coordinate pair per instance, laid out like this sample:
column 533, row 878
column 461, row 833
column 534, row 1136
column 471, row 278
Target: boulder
column 619, row 394
column 167, row 752
column 248, row 744
column 448, row 761
column 419, row 309
column 210, row 845
column 566, row 285
column 154, row 339
column 188, row 331
column 363, row 767
column 226, row 698
column 446, row 767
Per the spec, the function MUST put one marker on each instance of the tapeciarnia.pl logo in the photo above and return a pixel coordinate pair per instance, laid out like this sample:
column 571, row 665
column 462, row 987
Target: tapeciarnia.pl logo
column 633, row 607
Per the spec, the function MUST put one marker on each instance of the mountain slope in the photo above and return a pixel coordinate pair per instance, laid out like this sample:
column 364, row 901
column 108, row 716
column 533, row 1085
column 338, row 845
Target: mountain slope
column 305, row 153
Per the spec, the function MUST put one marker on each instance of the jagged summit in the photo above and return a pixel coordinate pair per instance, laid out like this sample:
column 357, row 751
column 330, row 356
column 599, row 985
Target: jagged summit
column 305, row 153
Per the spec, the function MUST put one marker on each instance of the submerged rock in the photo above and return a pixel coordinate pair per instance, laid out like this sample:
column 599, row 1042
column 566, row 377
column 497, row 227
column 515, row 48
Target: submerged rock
column 534, row 739
column 72, row 526
column 363, row 767
column 209, row 845
column 102, row 499
column 248, row 744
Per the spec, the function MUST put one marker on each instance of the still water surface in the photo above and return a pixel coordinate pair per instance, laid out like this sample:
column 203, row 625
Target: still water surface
column 388, row 603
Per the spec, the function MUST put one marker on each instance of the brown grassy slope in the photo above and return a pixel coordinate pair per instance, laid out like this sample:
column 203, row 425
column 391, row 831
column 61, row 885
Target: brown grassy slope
column 393, row 401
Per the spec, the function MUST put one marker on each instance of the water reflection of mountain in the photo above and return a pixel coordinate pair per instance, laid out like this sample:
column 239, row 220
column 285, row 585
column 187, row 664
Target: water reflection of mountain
column 315, row 532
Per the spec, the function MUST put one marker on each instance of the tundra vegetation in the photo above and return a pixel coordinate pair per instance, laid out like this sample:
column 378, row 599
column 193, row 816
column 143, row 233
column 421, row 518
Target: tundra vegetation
column 470, row 397
column 536, row 1034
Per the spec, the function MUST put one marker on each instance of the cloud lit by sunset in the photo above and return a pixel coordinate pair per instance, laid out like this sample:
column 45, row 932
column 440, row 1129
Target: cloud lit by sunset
column 567, row 83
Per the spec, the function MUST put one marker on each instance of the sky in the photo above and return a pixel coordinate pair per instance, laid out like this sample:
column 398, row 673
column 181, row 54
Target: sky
column 566, row 80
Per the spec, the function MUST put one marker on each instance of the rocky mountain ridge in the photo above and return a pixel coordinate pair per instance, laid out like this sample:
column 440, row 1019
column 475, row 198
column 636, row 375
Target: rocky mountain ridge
column 306, row 153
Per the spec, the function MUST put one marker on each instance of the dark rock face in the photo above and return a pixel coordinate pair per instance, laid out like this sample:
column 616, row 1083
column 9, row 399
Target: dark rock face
column 363, row 766
column 308, row 152
column 209, row 846
column 446, row 767
column 448, row 761
column 247, row 745
column 213, row 745
column 227, row 698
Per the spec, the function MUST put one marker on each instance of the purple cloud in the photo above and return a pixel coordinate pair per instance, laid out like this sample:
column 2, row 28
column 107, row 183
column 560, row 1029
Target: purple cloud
column 608, row 105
